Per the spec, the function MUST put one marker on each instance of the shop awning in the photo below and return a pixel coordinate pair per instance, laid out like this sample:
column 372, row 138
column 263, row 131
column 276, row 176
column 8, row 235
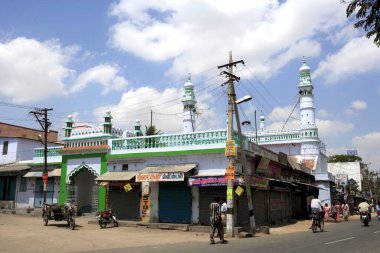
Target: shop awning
column 159, row 173
column 53, row 173
column 14, row 167
column 117, row 176
column 293, row 163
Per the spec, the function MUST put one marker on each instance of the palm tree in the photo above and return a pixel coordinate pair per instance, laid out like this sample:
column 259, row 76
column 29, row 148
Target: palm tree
column 151, row 130
column 367, row 17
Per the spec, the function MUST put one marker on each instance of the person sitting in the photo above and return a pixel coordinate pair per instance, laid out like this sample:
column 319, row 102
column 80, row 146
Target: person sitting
column 364, row 207
column 316, row 207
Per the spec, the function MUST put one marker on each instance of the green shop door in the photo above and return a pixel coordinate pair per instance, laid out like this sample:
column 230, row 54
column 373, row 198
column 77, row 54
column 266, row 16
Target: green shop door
column 174, row 202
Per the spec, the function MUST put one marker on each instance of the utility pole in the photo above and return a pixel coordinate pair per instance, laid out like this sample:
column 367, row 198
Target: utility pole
column 231, row 152
column 42, row 118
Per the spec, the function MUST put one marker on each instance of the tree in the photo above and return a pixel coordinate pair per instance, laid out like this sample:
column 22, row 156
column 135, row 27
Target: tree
column 151, row 130
column 367, row 16
column 344, row 158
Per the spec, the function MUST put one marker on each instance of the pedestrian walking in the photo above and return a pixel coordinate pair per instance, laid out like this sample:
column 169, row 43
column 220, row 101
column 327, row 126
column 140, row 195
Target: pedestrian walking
column 337, row 208
column 326, row 208
column 216, row 221
column 345, row 211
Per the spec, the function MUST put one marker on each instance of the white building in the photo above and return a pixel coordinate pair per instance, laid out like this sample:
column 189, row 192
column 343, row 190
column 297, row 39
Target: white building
column 352, row 169
column 303, row 144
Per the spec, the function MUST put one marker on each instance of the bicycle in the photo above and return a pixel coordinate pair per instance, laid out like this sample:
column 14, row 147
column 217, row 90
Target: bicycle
column 318, row 222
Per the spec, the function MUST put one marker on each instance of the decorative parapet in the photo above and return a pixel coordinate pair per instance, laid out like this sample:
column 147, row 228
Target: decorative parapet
column 53, row 155
column 51, row 151
column 85, row 150
column 196, row 140
column 275, row 137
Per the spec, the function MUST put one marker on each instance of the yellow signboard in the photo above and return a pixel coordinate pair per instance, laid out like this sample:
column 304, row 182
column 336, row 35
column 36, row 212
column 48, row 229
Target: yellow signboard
column 239, row 191
column 127, row 187
column 230, row 148
column 230, row 172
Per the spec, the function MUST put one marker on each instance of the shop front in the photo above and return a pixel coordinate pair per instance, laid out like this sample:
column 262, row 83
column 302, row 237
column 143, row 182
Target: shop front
column 164, row 186
column 122, row 193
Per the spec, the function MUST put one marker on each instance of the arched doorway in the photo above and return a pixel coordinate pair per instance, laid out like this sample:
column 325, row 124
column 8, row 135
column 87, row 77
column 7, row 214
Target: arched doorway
column 83, row 189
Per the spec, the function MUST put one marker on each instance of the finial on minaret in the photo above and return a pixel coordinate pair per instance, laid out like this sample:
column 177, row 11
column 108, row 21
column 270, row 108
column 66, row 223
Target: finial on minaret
column 189, row 79
column 303, row 60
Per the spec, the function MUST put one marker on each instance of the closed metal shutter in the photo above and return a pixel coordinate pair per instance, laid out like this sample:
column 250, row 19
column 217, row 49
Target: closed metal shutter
column 259, row 208
column 174, row 202
column 275, row 205
column 286, row 206
column 125, row 204
column 206, row 196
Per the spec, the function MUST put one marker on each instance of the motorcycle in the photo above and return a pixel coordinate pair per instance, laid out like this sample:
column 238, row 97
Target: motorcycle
column 106, row 217
column 378, row 214
column 364, row 217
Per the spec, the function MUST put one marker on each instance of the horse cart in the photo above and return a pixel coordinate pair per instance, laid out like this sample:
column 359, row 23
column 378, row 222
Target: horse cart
column 59, row 213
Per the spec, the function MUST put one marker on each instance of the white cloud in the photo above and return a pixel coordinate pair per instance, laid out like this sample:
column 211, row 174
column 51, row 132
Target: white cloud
column 369, row 148
column 349, row 60
column 203, row 32
column 106, row 75
column 32, row 71
column 323, row 113
column 357, row 105
column 332, row 127
column 166, row 106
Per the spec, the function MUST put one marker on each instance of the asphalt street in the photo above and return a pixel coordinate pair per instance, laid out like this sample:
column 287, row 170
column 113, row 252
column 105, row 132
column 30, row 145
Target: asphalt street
column 27, row 234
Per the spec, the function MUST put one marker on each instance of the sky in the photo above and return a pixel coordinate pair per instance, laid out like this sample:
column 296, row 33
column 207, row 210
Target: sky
column 83, row 57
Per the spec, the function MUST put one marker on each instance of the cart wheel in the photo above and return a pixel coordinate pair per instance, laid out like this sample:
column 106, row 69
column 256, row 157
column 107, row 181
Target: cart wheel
column 45, row 219
column 71, row 221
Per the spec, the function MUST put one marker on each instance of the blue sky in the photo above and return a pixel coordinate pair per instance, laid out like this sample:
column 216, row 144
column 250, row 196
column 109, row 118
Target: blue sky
column 83, row 57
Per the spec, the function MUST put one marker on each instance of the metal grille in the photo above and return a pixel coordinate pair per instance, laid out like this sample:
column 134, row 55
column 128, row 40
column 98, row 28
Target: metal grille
column 72, row 192
column 95, row 200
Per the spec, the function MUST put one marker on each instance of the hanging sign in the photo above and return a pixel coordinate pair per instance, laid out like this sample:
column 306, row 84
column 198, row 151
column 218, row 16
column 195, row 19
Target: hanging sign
column 239, row 191
column 127, row 187
column 230, row 172
column 230, row 148
column 44, row 177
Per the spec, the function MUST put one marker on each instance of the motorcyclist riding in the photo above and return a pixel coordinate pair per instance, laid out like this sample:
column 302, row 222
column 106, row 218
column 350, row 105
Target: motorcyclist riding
column 364, row 207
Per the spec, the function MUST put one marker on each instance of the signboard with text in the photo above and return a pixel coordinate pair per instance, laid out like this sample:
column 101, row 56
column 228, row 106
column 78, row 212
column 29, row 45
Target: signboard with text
column 230, row 148
column 160, row 177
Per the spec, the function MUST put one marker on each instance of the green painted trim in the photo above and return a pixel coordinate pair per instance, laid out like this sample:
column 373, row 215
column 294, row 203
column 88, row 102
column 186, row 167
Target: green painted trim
column 103, row 169
column 169, row 153
column 102, row 190
column 42, row 164
column 62, row 185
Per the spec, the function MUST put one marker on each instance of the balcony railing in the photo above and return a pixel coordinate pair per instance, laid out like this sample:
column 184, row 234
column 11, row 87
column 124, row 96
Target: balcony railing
column 52, row 151
column 170, row 140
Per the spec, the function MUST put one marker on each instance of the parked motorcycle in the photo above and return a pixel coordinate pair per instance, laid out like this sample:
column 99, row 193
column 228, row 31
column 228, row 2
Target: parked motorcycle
column 364, row 217
column 106, row 217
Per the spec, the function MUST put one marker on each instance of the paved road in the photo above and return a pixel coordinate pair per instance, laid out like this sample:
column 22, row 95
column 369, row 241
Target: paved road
column 26, row 234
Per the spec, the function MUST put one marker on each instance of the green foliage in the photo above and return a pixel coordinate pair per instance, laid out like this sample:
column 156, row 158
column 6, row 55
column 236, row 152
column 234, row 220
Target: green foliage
column 367, row 14
column 344, row 158
column 151, row 130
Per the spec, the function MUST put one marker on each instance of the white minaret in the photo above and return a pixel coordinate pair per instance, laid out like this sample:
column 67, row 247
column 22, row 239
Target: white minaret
column 309, row 130
column 189, row 109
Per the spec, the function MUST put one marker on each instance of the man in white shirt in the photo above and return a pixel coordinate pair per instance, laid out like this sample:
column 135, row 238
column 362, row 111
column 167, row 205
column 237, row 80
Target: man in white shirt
column 316, row 207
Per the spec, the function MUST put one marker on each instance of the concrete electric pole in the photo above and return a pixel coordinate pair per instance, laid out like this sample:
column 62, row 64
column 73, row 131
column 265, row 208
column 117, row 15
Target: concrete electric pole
column 231, row 152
